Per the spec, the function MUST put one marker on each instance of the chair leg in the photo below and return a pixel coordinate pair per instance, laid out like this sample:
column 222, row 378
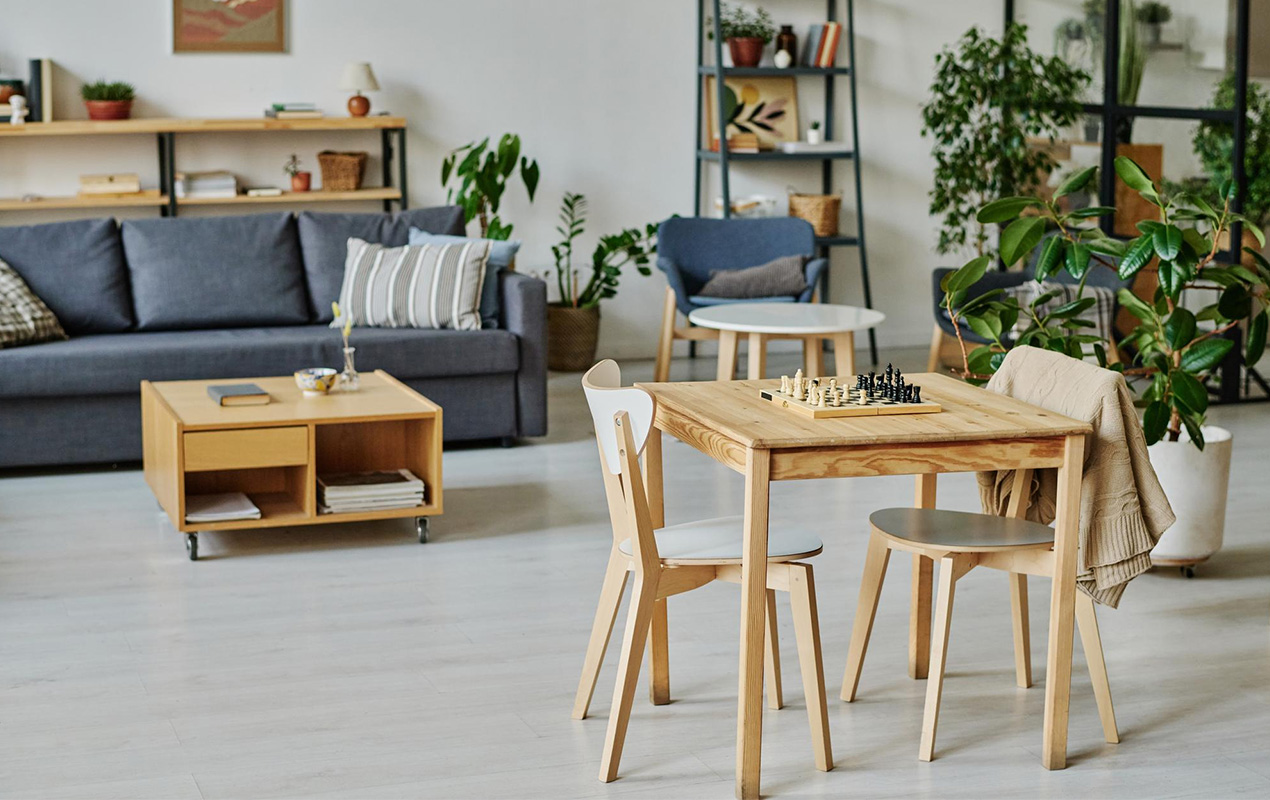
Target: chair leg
column 813, row 356
column 727, row 356
column 666, row 342
column 802, row 599
column 601, row 630
column 1022, row 634
column 938, row 654
column 638, row 619
column 772, row 663
column 936, row 344
column 1091, row 642
column 659, row 656
column 865, row 610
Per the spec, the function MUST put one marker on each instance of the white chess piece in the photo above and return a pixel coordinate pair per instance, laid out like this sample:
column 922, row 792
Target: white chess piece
column 863, row 398
column 18, row 110
column 785, row 385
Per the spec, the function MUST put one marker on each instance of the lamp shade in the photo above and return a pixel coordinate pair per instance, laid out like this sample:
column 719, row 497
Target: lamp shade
column 358, row 77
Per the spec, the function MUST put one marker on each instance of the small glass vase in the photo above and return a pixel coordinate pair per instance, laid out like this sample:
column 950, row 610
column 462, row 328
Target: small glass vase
column 350, row 381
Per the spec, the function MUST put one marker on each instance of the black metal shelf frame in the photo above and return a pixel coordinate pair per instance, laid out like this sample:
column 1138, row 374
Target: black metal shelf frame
column 827, row 159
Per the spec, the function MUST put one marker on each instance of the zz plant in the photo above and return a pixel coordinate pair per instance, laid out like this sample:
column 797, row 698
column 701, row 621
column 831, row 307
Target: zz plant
column 1175, row 348
column 614, row 252
column 482, row 173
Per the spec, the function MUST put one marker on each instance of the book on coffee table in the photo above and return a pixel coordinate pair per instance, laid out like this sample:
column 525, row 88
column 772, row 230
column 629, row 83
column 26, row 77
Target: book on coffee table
column 238, row 394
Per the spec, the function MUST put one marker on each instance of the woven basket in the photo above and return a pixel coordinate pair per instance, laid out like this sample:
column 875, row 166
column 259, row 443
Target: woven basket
column 821, row 210
column 572, row 334
column 341, row 172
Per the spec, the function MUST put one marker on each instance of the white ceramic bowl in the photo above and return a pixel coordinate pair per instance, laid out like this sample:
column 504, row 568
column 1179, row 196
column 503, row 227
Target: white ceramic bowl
column 316, row 381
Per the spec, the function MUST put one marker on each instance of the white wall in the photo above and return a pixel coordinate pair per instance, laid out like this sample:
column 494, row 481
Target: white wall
column 602, row 92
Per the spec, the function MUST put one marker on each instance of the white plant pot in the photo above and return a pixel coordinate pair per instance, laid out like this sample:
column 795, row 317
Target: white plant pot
column 814, row 136
column 1195, row 483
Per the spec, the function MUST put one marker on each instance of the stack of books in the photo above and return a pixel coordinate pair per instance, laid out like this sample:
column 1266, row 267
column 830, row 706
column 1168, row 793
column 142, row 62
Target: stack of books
column 217, row 183
column 739, row 143
column 293, row 111
column 369, row 491
column 820, row 48
column 219, row 507
column 113, row 184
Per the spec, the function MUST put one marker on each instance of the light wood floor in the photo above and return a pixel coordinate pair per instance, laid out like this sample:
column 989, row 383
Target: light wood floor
column 352, row 662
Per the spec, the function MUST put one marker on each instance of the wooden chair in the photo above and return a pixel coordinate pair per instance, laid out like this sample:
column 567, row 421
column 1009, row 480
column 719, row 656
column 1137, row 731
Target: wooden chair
column 673, row 559
column 961, row 541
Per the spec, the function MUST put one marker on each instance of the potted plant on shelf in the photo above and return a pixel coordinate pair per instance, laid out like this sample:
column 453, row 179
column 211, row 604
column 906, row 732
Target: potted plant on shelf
column 108, row 100
column 989, row 97
column 1175, row 348
column 482, row 173
column 1153, row 15
column 573, row 322
column 301, row 180
column 746, row 33
column 814, row 134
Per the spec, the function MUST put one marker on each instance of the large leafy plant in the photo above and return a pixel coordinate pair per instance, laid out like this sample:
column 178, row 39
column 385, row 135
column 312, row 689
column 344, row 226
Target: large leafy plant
column 737, row 23
column 1214, row 144
column 989, row 97
column 482, row 174
column 612, row 254
column 1175, row 347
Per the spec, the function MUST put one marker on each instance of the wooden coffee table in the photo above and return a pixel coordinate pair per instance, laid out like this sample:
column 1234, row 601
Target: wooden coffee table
column 273, row 453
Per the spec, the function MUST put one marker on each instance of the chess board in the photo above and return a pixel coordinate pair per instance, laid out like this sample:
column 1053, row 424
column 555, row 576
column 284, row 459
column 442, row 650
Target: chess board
column 843, row 401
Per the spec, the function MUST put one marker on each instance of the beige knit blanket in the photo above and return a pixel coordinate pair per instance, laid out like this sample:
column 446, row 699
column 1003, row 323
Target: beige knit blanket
column 1123, row 510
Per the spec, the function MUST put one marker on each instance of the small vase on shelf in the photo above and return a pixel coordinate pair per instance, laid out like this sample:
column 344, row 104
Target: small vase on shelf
column 814, row 134
column 350, row 381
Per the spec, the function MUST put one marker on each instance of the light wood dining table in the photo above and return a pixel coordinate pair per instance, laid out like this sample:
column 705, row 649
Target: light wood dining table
column 977, row 430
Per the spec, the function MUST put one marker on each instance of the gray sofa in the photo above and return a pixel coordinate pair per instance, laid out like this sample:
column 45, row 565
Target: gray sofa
column 239, row 297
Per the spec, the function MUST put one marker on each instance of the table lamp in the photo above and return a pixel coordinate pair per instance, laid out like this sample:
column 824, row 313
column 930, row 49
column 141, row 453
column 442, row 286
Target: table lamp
column 358, row 77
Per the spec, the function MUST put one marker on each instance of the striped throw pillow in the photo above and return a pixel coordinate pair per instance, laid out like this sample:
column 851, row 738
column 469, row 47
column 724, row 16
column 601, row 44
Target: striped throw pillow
column 24, row 318
column 416, row 286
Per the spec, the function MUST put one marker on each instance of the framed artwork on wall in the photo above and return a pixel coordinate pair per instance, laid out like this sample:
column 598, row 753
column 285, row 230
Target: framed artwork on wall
column 229, row 26
column 765, row 107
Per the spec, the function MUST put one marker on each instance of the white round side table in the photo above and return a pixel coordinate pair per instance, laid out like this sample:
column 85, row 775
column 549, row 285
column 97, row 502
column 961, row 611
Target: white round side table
column 810, row 322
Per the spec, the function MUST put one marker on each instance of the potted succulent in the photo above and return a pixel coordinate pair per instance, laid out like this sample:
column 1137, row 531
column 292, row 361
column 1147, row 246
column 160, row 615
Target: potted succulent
column 814, row 134
column 108, row 100
column 1175, row 348
column 1153, row 15
column 482, row 173
column 301, row 180
column 573, row 322
column 746, row 33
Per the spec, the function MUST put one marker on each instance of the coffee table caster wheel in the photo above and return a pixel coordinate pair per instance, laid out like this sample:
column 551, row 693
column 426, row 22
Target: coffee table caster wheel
column 421, row 528
column 1189, row 572
column 191, row 545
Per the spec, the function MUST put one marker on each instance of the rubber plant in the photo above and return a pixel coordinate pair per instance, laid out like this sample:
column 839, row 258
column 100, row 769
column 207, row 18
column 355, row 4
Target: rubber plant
column 1214, row 144
column 988, row 99
column 1175, row 349
column 630, row 247
column 482, row 173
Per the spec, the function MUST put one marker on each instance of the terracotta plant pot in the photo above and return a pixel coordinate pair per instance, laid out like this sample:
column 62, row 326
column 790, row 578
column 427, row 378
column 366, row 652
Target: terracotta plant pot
column 746, row 52
column 572, row 334
column 301, row 181
column 108, row 109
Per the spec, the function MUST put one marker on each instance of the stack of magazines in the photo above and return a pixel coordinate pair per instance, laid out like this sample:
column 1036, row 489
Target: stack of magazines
column 218, row 184
column 350, row 492
column 219, row 507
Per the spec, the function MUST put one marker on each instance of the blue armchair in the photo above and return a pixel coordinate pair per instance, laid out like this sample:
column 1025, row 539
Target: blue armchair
column 691, row 248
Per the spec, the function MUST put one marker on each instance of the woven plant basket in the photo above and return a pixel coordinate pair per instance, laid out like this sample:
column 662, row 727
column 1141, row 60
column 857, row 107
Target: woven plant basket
column 572, row 334
column 821, row 210
column 341, row 172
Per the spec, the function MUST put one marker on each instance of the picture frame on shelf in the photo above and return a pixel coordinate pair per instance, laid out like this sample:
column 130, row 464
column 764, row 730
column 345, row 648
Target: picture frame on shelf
column 764, row 106
column 208, row 26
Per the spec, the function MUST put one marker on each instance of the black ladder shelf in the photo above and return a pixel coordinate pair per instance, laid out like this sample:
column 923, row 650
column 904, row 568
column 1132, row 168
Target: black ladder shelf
column 827, row 160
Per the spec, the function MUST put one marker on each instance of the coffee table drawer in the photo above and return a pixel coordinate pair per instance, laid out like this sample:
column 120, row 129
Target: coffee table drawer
column 246, row 449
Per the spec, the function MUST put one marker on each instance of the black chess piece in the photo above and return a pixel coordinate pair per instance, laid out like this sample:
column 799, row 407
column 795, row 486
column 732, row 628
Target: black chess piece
column 917, row 394
column 908, row 394
column 872, row 378
column 890, row 372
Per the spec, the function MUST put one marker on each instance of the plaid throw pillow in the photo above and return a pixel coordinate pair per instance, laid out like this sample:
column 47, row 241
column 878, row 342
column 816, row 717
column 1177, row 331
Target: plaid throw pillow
column 24, row 319
column 1102, row 314
column 416, row 286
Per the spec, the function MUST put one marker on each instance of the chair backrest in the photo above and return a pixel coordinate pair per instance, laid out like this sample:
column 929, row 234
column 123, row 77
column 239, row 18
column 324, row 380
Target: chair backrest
column 700, row 246
column 623, row 418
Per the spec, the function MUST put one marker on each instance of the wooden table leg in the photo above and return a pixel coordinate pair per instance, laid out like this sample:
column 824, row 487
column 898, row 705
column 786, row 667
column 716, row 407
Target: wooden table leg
column 727, row 356
column 749, row 722
column 658, row 645
column 813, row 360
column 923, row 578
column 756, row 360
column 1058, row 668
column 844, row 354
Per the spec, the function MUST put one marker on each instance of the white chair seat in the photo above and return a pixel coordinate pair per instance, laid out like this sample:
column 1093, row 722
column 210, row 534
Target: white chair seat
column 719, row 541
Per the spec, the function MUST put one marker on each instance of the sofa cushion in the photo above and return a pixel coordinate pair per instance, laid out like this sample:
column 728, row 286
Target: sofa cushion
column 215, row 272
column 24, row 317
column 502, row 254
column 324, row 241
column 77, row 269
column 117, row 363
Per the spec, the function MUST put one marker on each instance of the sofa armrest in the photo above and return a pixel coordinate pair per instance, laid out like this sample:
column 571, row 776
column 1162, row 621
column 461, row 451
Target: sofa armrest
column 812, row 271
column 523, row 311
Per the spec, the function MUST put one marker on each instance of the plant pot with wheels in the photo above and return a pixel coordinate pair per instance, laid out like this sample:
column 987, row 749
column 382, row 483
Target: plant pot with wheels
column 572, row 336
column 1195, row 482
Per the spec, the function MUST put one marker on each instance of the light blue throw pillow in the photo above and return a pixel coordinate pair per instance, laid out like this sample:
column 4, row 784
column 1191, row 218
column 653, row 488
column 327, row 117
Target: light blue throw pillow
column 500, row 257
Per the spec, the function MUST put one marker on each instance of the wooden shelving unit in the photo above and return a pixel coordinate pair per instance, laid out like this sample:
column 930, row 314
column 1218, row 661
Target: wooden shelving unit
column 165, row 131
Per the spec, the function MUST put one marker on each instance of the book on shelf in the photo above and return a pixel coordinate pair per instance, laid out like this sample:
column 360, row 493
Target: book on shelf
column 238, row 394
column 739, row 143
column 293, row 106
column 369, row 491
column 222, row 507
column 114, row 183
column 215, row 183
column 273, row 113
column 808, row 147
column 820, row 48
column 263, row 191
column 811, row 45
column 39, row 91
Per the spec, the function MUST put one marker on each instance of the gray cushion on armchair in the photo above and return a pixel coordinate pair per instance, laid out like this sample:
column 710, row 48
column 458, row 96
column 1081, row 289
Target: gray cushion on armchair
column 779, row 277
